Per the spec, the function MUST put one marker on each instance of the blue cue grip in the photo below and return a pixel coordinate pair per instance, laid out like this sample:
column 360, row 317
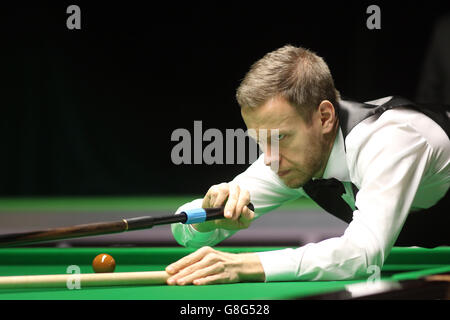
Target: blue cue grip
column 199, row 215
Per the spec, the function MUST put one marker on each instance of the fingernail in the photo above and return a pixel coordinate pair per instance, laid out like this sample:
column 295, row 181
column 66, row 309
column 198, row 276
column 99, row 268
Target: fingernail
column 170, row 269
column 180, row 282
column 228, row 214
column 170, row 281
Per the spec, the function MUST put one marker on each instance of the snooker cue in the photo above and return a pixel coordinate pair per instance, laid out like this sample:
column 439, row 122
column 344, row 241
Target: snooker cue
column 101, row 228
column 84, row 280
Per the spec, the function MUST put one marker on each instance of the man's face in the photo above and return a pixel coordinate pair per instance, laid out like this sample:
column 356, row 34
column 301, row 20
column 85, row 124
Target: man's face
column 303, row 149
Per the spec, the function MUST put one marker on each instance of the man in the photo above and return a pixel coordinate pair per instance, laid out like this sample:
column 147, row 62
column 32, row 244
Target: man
column 392, row 156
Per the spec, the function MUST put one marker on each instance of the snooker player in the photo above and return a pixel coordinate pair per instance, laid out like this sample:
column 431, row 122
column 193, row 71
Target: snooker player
column 381, row 166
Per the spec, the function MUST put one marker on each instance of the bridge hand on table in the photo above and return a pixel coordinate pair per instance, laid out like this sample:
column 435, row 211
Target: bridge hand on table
column 210, row 266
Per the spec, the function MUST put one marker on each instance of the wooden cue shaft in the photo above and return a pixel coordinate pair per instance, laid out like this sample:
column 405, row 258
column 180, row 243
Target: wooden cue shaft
column 77, row 231
column 84, row 280
column 91, row 229
column 439, row 277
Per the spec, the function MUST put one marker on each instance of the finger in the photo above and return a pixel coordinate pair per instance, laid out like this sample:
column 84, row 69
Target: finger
column 203, row 263
column 213, row 279
column 222, row 195
column 202, row 272
column 188, row 260
column 212, row 195
column 244, row 199
column 207, row 200
column 230, row 207
column 217, row 191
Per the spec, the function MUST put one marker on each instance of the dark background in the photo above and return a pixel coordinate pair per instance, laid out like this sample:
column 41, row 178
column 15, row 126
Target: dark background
column 91, row 111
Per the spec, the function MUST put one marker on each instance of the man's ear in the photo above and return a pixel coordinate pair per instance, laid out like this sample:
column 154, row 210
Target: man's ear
column 327, row 115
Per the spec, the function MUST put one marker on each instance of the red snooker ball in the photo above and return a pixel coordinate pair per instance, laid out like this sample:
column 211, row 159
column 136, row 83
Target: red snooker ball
column 103, row 263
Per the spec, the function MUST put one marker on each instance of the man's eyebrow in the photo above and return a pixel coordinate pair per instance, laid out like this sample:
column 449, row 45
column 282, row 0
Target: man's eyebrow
column 253, row 133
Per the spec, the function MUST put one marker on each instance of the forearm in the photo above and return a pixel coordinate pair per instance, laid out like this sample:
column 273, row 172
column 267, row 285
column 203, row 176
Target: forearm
column 332, row 259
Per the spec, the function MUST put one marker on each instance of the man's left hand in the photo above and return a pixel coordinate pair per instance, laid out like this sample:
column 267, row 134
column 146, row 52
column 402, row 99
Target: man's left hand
column 209, row 266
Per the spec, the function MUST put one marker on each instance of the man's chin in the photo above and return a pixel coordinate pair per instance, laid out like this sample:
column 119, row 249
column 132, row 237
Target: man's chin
column 293, row 183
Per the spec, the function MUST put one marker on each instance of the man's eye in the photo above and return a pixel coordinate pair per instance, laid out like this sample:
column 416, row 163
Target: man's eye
column 278, row 137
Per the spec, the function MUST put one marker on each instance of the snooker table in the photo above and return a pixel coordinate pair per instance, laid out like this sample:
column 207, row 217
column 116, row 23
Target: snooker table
column 403, row 264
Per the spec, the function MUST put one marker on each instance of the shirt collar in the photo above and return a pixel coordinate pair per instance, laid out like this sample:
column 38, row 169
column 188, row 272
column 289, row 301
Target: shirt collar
column 337, row 162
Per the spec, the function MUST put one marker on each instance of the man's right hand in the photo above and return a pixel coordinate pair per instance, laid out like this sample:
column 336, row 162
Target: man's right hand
column 237, row 214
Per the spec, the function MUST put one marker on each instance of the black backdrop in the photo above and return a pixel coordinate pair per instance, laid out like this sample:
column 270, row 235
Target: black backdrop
column 91, row 111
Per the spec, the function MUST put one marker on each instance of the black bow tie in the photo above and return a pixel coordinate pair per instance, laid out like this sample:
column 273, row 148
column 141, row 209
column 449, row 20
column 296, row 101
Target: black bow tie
column 327, row 193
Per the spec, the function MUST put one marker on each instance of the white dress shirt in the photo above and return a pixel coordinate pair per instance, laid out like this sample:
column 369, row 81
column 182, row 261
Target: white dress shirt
column 400, row 161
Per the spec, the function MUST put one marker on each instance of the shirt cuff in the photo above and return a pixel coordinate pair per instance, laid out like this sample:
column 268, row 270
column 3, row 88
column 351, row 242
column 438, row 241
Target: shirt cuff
column 202, row 237
column 186, row 235
column 281, row 265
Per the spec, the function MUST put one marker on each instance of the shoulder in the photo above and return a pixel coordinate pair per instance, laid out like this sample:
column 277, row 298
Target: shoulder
column 387, row 138
column 399, row 123
column 413, row 125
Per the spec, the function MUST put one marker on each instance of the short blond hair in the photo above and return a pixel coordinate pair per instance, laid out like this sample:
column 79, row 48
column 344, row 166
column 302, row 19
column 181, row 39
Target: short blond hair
column 294, row 73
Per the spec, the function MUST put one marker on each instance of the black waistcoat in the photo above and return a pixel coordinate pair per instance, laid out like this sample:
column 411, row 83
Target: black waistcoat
column 327, row 193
